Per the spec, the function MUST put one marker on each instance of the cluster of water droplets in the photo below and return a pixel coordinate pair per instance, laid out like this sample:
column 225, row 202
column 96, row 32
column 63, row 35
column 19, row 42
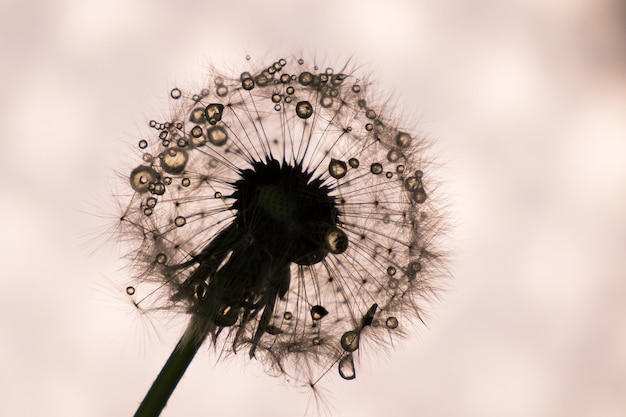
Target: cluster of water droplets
column 379, row 260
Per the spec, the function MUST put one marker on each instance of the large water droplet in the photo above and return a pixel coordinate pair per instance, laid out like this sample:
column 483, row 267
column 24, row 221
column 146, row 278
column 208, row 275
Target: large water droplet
column 141, row 178
column 217, row 135
column 304, row 110
column 350, row 341
column 318, row 312
column 403, row 140
column 337, row 168
column 174, row 161
column 336, row 241
column 213, row 112
column 346, row 367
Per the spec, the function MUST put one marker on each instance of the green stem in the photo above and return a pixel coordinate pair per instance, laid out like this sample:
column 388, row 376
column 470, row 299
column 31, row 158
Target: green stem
column 173, row 370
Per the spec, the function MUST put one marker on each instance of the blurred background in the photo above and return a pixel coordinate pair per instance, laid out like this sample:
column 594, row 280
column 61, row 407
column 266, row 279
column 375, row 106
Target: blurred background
column 525, row 101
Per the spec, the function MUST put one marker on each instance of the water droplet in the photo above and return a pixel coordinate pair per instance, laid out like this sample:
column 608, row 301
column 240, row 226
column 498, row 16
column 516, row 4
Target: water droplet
column 391, row 322
column 393, row 155
column 370, row 114
column 288, row 315
column 196, row 132
column 353, row 162
column 336, row 241
column 217, row 194
column 356, row 88
column 277, row 107
column 221, row 90
column 147, row 157
column 419, row 195
column 412, row 183
column 284, row 78
column 180, row 221
column 276, row 98
column 361, row 103
column 350, row 341
column 393, row 283
column 304, row 110
column 174, row 161
column 391, row 270
column 143, row 144
column 181, row 143
column 403, row 140
column 175, row 93
column 316, row 341
column 141, row 178
column 326, row 101
column 186, row 182
column 163, row 135
column 305, row 78
column 346, row 368
column 376, row 168
column 158, row 188
column 337, row 168
column 130, row 290
column 290, row 90
column 247, row 84
column 247, row 57
column 217, row 135
column 318, row 312
column 161, row 258
column 151, row 202
column 301, row 61
column 388, row 174
column 369, row 127
column 147, row 211
column 400, row 169
column 213, row 112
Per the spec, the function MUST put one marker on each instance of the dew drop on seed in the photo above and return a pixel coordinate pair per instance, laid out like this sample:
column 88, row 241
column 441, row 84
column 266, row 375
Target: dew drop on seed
column 151, row 202
column 326, row 101
column 288, row 315
column 412, row 183
column 217, row 135
column 350, row 341
column 391, row 270
column 159, row 188
column 277, row 107
column 213, row 112
column 147, row 211
column 284, row 78
column 247, row 84
column 174, row 161
column 185, row 182
column 346, row 368
column 393, row 155
column 400, row 169
column 356, row 88
column 370, row 114
column 161, row 258
column 304, row 110
column 141, row 178
column 337, row 168
column 167, row 180
column 290, row 90
column 419, row 195
column 287, row 99
column 388, row 174
column 391, row 322
column 369, row 127
column 221, row 90
column 305, row 78
column 143, row 144
column 180, row 221
column 376, row 168
column 163, row 135
column 147, row 157
column 130, row 290
column 175, row 93
column 181, row 143
column 403, row 140
column 276, row 98
column 196, row 131
column 336, row 241
column 353, row 162
column 318, row 312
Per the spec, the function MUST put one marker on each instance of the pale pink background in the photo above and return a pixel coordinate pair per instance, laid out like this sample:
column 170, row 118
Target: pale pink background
column 526, row 101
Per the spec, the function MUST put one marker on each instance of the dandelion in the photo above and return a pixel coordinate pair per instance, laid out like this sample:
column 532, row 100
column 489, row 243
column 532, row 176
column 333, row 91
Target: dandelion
column 288, row 215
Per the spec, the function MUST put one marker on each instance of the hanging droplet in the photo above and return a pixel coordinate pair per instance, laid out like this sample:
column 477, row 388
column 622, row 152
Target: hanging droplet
column 213, row 113
column 346, row 368
column 318, row 312
column 337, row 168
column 376, row 168
column 141, row 178
column 350, row 341
column 419, row 195
column 391, row 322
column 336, row 241
column 217, row 135
column 304, row 110
column 180, row 221
column 305, row 78
column 174, row 161
column 175, row 93
column 403, row 140
column 130, row 290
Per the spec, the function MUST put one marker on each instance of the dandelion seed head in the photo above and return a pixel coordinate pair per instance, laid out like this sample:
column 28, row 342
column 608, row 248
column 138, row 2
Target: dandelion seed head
column 289, row 213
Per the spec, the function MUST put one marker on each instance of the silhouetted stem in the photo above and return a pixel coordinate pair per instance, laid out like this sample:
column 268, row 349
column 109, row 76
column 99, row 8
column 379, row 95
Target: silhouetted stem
column 173, row 370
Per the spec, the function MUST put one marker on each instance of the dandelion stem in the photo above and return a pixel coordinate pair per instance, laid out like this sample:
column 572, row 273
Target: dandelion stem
column 163, row 386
